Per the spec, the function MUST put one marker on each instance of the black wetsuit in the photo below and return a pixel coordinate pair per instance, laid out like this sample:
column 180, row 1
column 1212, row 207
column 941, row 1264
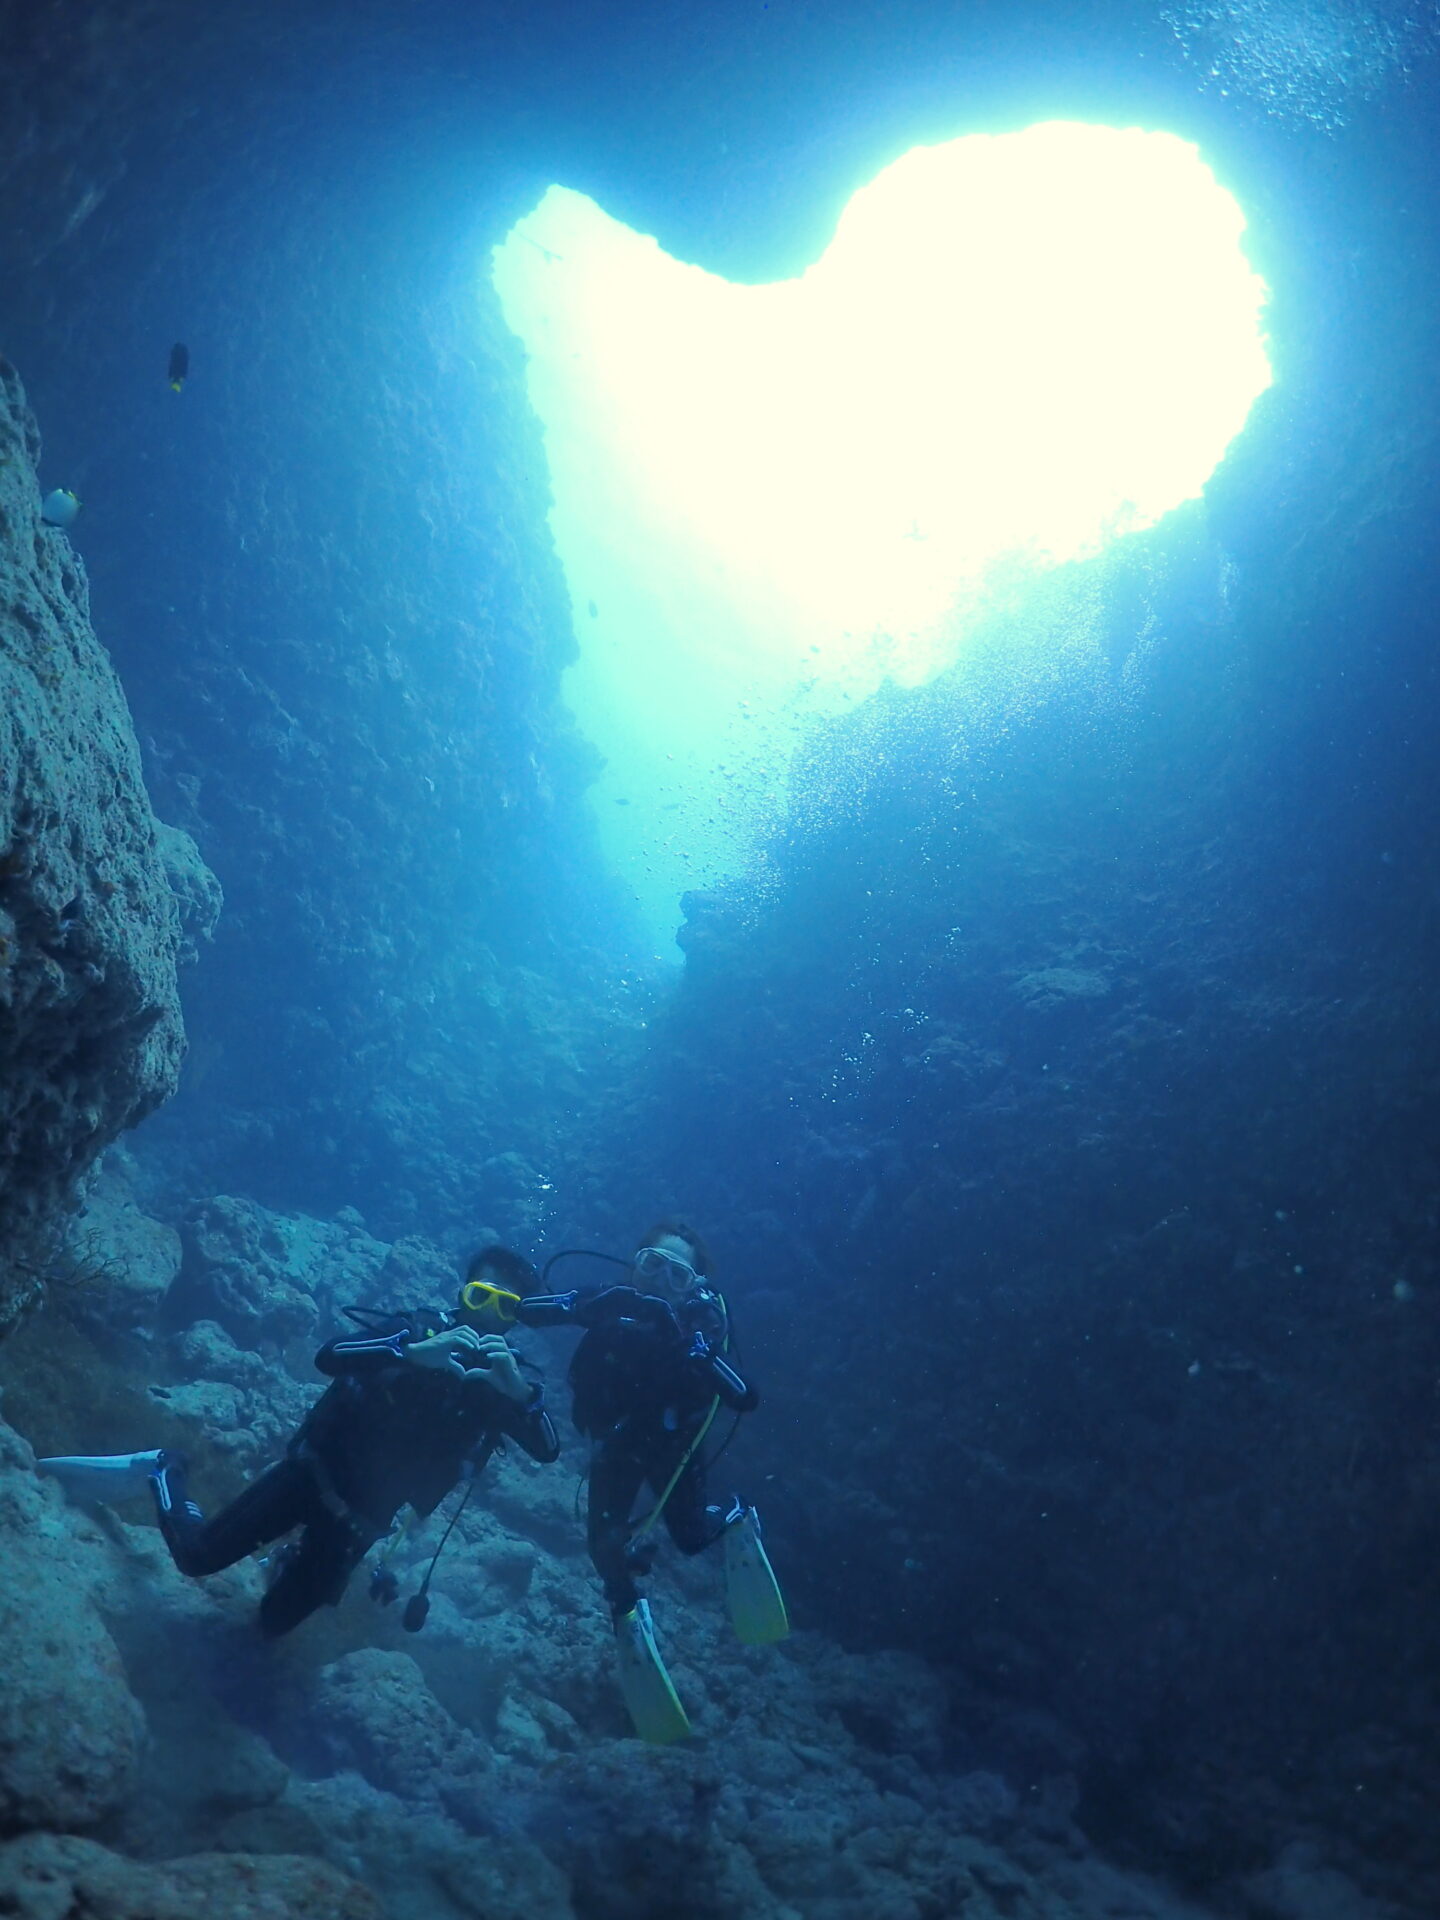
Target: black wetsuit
column 385, row 1434
column 644, row 1378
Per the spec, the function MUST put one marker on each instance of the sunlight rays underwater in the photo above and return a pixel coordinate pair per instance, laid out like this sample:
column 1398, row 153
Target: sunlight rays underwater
column 769, row 499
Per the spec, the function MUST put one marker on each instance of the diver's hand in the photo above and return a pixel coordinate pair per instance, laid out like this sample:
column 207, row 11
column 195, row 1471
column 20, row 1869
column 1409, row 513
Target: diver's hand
column 444, row 1352
column 628, row 1303
column 613, row 1303
column 498, row 1367
column 697, row 1356
column 475, row 1356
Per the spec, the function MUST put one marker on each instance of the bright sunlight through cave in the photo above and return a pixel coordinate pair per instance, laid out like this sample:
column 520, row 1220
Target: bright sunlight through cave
column 769, row 499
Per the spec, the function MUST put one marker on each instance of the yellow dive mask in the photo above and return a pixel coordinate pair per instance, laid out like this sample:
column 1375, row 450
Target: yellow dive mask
column 489, row 1302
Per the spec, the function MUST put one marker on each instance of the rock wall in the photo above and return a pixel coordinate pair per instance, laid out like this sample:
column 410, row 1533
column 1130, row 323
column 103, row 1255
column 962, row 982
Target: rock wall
column 1068, row 1099
column 99, row 902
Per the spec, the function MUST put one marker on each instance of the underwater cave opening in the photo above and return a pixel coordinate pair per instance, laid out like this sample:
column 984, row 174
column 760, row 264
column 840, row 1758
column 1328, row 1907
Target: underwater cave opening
column 771, row 499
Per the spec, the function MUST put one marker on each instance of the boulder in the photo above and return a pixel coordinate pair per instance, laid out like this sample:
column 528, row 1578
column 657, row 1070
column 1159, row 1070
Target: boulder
column 416, row 1273
column 71, row 1732
column 237, row 1270
column 49, row 1876
column 271, row 1278
column 376, row 1714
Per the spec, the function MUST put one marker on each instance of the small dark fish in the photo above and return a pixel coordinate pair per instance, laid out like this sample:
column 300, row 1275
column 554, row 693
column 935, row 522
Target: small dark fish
column 593, row 610
column 179, row 365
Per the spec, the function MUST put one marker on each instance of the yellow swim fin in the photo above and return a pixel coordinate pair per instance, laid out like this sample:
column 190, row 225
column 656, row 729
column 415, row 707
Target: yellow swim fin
column 652, row 1701
column 752, row 1593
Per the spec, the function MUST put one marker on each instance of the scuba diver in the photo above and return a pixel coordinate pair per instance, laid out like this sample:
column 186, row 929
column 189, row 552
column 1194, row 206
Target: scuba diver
column 417, row 1402
column 648, row 1378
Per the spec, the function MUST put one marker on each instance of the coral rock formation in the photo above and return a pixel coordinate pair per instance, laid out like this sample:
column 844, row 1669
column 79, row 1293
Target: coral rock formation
column 44, row 1876
column 99, row 903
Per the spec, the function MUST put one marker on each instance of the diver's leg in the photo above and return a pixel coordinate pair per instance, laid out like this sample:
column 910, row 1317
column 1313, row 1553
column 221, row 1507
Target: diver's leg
column 691, row 1524
column 280, row 1499
column 315, row 1575
column 615, row 1477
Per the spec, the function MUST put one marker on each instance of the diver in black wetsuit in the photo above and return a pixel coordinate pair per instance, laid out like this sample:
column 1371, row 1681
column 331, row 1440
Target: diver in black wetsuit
column 410, row 1412
column 647, row 1378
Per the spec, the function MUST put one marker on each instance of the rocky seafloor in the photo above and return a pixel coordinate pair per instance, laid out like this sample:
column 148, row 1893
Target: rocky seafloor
column 157, row 1756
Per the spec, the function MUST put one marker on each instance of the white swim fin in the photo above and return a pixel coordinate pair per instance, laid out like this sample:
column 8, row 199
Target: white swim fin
column 104, row 1476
